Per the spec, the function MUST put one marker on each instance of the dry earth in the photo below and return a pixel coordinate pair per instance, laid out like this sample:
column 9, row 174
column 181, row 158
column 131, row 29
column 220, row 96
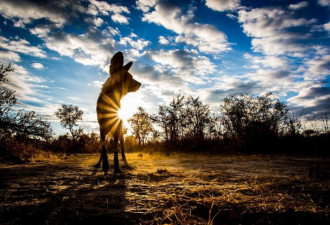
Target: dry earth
column 175, row 189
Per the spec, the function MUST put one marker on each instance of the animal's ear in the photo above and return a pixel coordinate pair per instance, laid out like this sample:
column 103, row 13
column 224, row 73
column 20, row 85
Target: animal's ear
column 117, row 62
column 128, row 66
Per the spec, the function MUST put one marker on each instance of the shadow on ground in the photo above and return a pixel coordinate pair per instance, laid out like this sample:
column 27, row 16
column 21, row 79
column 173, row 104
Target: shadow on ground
column 176, row 189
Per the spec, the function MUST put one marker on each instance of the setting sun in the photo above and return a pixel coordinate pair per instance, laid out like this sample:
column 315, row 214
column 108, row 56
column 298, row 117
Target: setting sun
column 129, row 105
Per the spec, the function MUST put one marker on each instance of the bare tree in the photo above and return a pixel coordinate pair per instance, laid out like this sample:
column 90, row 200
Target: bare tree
column 198, row 117
column 69, row 116
column 161, row 119
column 19, row 122
column 7, row 99
column 141, row 125
column 171, row 119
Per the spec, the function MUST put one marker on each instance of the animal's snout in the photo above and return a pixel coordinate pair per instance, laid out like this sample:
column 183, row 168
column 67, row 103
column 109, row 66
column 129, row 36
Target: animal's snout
column 135, row 85
column 138, row 84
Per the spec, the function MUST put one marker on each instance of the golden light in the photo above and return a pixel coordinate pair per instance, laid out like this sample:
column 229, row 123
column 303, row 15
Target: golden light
column 121, row 114
column 129, row 106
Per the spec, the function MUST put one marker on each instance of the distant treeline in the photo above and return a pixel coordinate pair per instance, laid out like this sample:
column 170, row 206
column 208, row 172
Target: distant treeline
column 242, row 124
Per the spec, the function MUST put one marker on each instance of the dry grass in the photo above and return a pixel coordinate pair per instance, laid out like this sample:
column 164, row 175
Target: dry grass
column 176, row 189
column 19, row 152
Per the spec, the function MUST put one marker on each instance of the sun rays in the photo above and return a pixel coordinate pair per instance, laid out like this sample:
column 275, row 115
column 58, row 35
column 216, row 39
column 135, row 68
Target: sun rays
column 114, row 114
column 108, row 112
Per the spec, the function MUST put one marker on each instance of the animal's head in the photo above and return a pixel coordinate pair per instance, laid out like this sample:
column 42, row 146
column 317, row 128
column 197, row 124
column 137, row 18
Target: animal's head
column 120, row 75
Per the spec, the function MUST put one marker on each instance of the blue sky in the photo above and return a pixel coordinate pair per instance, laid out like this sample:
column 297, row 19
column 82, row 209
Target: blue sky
column 61, row 52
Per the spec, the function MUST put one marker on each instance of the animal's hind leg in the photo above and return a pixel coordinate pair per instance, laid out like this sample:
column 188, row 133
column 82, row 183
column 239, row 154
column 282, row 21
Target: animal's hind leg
column 122, row 145
column 115, row 156
column 104, row 155
column 98, row 164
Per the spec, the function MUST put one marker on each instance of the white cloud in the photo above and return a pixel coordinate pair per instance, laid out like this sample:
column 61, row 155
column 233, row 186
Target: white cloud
column 110, row 31
column 206, row 37
column 327, row 26
column 45, row 111
column 22, row 83
column 58, row 13
column 228, row 85
column 313, row 99
column 298, row 5
column 318, row 68
column 324, row 2
column 11, row 10
column 96, row 21
column 258, row 82
column 131, row 55
column 184, row 64
column 267, row 61
column 21, row 46
column 94, row 47
column 145, row 5
column 269, row 29
column 40, row 31
column 96, row 83
column 9, row 57
column 223, row 5
column 37, row 66
column 104, row 8
column 119, row 18
column 24, row 12
column 162, row 40
column 231, row 16
column 83, row 48
column 274, row 80
column 138, row 44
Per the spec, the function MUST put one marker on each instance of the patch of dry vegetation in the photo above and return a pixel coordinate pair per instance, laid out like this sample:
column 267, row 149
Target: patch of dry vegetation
column 203, row 196
column 180, row 189
column 20, row 152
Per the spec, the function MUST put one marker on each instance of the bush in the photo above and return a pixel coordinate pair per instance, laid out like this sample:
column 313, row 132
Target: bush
column 254, row 124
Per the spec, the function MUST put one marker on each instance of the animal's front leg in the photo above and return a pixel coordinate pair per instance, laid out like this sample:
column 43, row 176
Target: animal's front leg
column 123, row 150
column 115, row 156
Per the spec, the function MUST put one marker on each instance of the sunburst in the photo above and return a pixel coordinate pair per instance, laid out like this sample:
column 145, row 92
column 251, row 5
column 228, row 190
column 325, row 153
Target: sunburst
column 129, row 105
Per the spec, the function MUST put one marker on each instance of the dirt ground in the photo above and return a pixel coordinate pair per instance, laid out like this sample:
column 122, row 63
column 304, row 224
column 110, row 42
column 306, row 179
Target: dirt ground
column 172, row 189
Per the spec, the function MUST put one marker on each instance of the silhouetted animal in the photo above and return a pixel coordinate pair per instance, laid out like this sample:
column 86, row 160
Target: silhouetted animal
column 115, row 87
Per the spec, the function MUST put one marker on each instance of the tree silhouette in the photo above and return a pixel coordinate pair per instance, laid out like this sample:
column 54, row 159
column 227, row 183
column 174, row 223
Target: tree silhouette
column 18, row 122
column 69, row 116
column 141, row 126
column 161, row 119
column 253, row 120
column 198, row 118
column 4, row 70
column 171, row 119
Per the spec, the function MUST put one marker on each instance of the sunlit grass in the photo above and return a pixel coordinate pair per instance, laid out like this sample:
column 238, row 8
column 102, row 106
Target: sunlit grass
column 179, row 188
column 27, row 153
column 43, row 156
